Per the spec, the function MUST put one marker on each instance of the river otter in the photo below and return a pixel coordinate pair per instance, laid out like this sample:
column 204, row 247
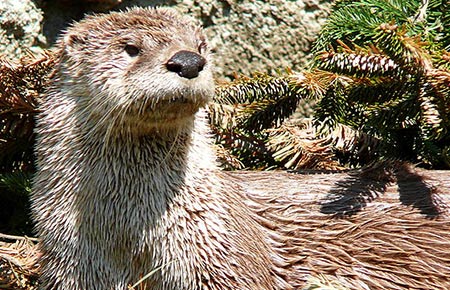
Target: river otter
column 124, row 185
column 127, row 185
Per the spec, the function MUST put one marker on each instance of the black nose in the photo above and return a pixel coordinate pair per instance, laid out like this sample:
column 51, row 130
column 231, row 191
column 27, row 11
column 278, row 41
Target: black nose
column 186, row 64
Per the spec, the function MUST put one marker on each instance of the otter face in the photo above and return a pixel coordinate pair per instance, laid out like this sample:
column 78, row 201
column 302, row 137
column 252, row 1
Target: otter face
column 150, row 66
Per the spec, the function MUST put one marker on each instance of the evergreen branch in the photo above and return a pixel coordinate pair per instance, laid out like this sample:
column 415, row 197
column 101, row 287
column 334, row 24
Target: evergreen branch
column 384, row 105
column 237, row 100
column 444, row 19
column 226, row 159
column 398, row 10
column 247, row 90
column 421, row 14
column 311, row 83
column 434, row 101
column 262, row 102
column 407, row 52
column 268, row 113
column 433, row 21
column 20, row 86
column 373, row 91
column 250, row 149
column 442, row 61
column 331, row 108
column 347, row 23
column 356, row 21
column 354, row 147
column 17, row 182
column 398, row 114
column 430, row 118
column 358, row 65
column 298, row 148
column 222, row 115
column 405, row 105
column 441, row 80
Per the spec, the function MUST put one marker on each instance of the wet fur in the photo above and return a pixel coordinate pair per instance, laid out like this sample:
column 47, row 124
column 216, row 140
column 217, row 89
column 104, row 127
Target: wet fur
column 124, row 184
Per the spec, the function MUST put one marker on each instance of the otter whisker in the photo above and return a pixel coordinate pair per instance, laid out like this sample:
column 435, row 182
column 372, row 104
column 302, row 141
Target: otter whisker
column 173, row 145
column 143, row 103
column 93, row 110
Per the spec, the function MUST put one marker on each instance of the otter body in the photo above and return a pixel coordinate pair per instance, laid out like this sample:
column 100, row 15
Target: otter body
column 122, row 178
column 127, row 184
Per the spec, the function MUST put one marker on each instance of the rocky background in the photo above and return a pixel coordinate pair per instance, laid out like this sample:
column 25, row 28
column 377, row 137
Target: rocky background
column 246, row 36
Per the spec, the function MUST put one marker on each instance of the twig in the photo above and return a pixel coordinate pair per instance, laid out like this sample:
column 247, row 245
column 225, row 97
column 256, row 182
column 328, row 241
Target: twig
column 19, row 238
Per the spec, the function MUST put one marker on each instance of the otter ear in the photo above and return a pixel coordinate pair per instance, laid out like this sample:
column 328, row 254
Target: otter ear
column 74, row 42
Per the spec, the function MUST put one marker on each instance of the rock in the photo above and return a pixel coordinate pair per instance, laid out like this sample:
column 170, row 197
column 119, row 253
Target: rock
column 246, row 36
column 20, row 28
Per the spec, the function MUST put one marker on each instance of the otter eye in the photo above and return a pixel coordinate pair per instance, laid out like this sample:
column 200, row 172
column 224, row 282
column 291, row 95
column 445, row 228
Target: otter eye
column 132, row 50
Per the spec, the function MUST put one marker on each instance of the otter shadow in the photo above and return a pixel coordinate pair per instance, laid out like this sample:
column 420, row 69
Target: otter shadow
column 416, row 192
column 351, row 195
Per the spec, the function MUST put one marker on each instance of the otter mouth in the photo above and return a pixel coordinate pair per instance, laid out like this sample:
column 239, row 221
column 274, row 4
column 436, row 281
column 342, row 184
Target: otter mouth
column 174, row 104
column 170, row 109
column 178, row 100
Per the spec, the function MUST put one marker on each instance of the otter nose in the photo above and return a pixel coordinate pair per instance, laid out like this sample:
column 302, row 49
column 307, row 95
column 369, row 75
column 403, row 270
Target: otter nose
column 186, row 64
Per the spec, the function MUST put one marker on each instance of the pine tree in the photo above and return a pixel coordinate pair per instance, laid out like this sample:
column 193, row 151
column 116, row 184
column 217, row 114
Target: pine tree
column 248, row 117
column 381, row 73
column 20, row 86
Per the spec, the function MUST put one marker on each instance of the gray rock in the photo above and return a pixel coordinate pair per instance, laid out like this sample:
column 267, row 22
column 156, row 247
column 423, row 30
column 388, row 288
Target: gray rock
column 20, row 28
column 246, row 36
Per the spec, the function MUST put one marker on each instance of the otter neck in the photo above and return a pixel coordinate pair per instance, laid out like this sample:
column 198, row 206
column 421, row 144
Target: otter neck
column 164, row 161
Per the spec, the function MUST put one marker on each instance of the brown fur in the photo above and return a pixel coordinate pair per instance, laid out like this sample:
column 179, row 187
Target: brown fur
column 127, row 185
column 364, row 231
column 124, row 185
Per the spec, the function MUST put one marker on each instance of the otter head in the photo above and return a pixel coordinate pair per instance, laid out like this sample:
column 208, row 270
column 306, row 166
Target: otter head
column 142, row 68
